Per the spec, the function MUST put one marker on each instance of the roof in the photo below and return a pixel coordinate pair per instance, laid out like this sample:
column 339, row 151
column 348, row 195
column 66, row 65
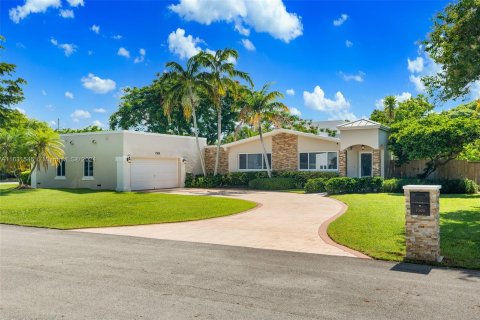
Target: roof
column 362, row 124
column 329, row 124
column 278, row 131
column 128, row 132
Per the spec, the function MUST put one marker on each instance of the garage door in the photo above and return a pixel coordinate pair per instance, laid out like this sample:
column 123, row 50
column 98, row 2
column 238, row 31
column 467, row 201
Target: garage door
column 154, row 174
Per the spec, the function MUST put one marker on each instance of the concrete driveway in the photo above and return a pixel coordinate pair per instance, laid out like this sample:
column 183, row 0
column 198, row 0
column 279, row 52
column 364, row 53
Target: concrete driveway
column 282, row 221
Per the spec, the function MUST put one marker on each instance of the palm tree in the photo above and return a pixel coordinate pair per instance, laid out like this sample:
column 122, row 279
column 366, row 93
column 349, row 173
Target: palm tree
column 389, row 104
column 260, row 107
column 46, row 148
column 221, row 72
column 186, row 84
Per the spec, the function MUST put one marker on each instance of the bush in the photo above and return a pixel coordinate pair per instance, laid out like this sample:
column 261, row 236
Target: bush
column 24, row 176
column 354, row 185
column 275, row 183
column 452, row 186
column 315, row 185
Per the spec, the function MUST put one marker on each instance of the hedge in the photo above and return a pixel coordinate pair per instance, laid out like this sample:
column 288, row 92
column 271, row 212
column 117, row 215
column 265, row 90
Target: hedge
column 315, row 185
column 274, row 183
column 241, row 179
column 452, row 186
column 353, row 185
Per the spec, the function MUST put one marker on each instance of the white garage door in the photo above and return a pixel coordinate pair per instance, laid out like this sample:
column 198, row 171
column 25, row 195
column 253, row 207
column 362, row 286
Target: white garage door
column 154, row 174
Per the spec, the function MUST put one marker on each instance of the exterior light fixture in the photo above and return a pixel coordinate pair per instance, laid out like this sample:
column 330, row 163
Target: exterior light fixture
column 129, row 159
column 184, row 160
column 363, row 147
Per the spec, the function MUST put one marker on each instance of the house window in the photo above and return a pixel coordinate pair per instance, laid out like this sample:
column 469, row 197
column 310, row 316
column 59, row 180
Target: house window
column 88, row 167
column 253, row 161
column 319, row 161
column 61, row 169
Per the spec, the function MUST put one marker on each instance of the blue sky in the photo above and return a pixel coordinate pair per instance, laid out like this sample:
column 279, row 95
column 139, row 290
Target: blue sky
column 337, row 59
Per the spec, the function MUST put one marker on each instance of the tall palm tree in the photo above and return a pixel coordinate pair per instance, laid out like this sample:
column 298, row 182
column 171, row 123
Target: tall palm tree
column 46, row 148
column 220, row 74
column 185, row 87
column 389, row 104
column 260, row 107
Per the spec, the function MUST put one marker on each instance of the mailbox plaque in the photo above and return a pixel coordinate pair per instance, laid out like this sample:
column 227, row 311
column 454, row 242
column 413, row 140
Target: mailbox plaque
column 420, row 203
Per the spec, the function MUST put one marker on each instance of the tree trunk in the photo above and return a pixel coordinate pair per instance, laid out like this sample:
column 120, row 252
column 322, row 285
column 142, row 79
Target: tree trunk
column 31, row 171
column 219, row 137
column 195, row 128
column 265, row 157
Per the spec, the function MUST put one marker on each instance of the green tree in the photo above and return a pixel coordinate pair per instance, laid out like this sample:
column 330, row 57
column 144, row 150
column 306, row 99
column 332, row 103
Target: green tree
column 11, row 91
column 92, row 128
column 14, row 152
column 259, row 107
column 389, row 104
column 454, row 43
column 220, row 74
column 185, row 91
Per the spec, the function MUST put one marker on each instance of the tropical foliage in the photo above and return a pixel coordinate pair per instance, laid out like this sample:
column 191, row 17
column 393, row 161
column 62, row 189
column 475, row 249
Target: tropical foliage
column 11, row 91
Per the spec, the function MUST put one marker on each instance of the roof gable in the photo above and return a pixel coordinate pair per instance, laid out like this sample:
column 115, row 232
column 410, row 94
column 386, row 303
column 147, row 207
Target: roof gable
column 362, row 124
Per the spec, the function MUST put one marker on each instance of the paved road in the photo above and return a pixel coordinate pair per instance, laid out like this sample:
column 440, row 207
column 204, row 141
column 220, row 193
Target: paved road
column 49, row 274
column 283, row 221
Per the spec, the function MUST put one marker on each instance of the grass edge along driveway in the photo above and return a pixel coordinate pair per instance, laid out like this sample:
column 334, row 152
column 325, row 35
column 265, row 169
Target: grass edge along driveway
column 83, row 208
column 375, row 225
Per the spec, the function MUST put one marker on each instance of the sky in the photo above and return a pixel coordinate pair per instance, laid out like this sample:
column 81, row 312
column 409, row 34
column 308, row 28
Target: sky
column 331, row 59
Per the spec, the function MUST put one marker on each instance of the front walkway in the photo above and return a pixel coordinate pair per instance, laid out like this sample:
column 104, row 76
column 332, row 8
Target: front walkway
column 282, row 221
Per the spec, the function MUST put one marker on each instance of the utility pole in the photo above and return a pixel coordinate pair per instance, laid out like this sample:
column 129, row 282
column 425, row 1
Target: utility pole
column 58, row 124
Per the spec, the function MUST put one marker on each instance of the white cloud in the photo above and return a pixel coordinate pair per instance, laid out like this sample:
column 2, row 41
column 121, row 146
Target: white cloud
column 80, row 114
column 123, row 52
column 141, row 56
column 89, row 52
column 117, row 37
column 290, row 92
column 66, row 13
column 53, row 123
column 338, row 108
column 97, row 84
column 338, row 22
column 50, row 107
column 32, row 6
column 417, row 81
column 44, row 93
column 295, row 111
column 97, row 123
column 270, row 16
column 353, row 77
column 348, row 43
column 99, row 110
column 68, row 48
column 21, row 110
column 183, row 46
column 415, row 65
column 76, row 3
column 404, row 96
column 248, row 45
column 95, row 28
column 69, row 95
column 475, row 90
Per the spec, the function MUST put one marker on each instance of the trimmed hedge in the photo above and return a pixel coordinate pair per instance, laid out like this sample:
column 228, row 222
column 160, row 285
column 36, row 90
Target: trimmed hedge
column 241, row 179
column 24, row 176
column 316, row 185
column 453, row 186
column 354, row 185
column 274, row 183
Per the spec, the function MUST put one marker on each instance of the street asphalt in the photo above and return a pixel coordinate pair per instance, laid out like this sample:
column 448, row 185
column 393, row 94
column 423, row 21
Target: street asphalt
column 51, row 274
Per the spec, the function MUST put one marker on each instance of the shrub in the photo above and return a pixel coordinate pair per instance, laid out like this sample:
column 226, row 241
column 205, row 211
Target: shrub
column 24, row 176
column 316, row 185
column 341, row 185
column 301, row 177
column 275, row 183
column 452, row 186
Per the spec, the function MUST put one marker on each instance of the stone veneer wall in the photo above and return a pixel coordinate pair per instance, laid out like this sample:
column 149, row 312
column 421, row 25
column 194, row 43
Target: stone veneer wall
column 422, row 233
column 376, row 163
column 210, row 155
column 342, row 163
column 285, row 152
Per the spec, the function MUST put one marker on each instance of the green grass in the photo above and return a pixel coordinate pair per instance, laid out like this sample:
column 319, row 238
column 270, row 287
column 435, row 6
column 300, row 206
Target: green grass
column 82, row 208
column 375, row 225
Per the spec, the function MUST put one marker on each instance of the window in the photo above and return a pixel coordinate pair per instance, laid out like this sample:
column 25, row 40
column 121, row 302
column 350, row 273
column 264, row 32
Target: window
column 61, row 169
column 88, row 167
column 253, row 161
column 318, row 160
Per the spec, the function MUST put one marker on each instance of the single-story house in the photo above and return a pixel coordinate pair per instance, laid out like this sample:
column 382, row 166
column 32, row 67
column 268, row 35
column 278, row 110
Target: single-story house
column 125, row 160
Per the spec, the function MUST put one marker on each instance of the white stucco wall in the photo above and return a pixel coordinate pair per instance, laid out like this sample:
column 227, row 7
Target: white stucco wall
column 247, row 147
column 367, row 137
column 306, row 144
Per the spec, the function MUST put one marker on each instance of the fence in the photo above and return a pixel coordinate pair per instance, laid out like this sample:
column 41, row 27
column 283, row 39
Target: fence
column 454, row 169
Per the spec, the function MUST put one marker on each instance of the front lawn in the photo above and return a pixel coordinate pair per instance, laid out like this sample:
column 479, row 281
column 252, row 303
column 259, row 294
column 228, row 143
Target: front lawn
column 375, row 225
column 82, row 208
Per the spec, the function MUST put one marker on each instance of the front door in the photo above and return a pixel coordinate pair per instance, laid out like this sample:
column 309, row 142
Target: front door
column 365, row 164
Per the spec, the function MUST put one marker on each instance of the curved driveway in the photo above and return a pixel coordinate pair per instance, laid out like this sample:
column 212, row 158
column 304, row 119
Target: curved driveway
column 283, row 221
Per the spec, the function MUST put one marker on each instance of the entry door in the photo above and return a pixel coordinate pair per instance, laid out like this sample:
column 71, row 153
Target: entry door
column 366, row 164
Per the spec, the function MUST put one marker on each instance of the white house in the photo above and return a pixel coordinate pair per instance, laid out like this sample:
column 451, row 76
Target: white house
column 126, row 160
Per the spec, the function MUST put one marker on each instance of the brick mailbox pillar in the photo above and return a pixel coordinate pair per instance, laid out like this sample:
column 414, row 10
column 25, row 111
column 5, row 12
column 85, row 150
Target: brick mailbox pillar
column 422, row 222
